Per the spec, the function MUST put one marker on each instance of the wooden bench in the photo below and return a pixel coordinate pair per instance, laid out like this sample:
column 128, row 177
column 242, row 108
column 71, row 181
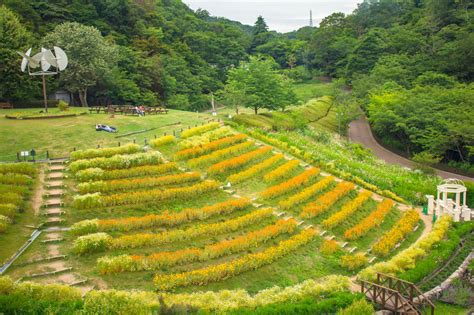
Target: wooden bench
column 6, row 105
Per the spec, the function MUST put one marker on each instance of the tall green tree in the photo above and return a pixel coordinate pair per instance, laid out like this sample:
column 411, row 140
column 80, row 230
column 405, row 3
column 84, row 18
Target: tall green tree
column 90, row 56
column 261, row 35
column 14, row 37
column 261, row 84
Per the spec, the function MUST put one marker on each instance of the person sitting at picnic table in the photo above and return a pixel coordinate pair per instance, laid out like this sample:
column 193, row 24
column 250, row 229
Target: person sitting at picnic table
column 138, row 111
column 142, row 109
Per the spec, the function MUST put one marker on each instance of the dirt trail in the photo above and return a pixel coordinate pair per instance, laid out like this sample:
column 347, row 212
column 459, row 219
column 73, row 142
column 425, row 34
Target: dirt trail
column 360, row 132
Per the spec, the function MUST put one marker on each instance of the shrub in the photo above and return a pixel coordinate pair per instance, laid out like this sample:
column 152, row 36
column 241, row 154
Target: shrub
column 94, row 174
column 329, row 247
column 104, row 152
column 255, row 170
column 234, row 267
column 373, row 220
column 91, row 243
column 15, row 179
column 205, row 138
column 11, row 198
column 346, row 210
column 89, row 201
column 199, row 130
column 290, row 185
column 137, row 183
column 161, row 141
column 353, row 262
column 237, row 162
column 63, row 106
column 324, row 202
column 18, row 168
column 225, row 300
column 306, row 193
column 160, row 260
column 4, row 222
column 206, row 148
column 165, row 218
column 360, row 307
column 403, row 227
column 117, row 161
column 8, row 210
column 119, row 302
column 20, row 190
column 281, row 172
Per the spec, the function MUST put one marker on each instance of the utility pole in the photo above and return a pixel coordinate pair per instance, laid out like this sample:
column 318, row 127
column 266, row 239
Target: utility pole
column 311, row 18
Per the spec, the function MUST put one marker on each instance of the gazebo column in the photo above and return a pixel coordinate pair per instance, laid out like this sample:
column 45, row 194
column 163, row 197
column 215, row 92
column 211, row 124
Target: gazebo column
column 458, row 200
column 464, row 198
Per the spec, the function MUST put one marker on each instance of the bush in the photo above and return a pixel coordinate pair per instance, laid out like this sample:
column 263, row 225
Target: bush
column 161, row 141
column 353, row 262
column 360, row 307
column 117, row 161
column 8, row 210
column 63, row 106
column 199, row 130
column 119, row 302
column 91, row 243
column 105, row 152
column 329, row 247
column 18, row 168
column 94, row 174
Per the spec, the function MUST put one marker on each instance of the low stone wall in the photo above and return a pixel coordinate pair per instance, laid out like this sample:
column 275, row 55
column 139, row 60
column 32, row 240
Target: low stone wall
column 436, row 292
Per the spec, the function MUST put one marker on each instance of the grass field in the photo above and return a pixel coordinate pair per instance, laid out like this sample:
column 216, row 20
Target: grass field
column 60, row 136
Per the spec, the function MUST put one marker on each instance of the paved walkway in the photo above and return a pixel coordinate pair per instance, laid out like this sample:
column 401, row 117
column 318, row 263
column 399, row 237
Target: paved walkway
column 360, row 132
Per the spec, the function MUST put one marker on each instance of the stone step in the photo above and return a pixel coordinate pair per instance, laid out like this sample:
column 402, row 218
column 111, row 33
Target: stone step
column 54, row 220
column 55, row 184
column 54, row 202
column 57, row 161
column 57, row 229
column 54, row 192
column 53, row 212
column 55, row 175
column 53, row 240
column 57, row 167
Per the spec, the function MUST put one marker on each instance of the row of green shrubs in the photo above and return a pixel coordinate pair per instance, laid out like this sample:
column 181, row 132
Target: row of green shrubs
column 33, row 298
column 439, row 254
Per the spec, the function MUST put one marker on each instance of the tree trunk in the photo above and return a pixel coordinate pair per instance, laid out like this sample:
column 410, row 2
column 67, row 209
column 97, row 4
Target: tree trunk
column 83, row 97
column 460, row 152
column 237, row 109
column 256, row 110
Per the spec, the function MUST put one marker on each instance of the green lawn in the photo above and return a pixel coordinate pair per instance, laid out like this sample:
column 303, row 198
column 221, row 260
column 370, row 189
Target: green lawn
column 60, row 135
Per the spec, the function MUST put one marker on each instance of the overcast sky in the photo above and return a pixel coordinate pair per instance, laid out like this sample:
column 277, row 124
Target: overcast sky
column 280, row 15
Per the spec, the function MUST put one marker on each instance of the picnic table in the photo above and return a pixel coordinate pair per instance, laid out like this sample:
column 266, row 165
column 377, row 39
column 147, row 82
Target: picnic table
column 6, row 105
column 127, row 110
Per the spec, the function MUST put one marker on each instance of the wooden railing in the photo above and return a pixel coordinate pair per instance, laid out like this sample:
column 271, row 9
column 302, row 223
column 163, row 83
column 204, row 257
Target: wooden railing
column 396, row 295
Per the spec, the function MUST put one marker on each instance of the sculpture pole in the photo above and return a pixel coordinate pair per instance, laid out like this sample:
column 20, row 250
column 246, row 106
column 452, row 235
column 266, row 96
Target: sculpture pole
column 44, row 95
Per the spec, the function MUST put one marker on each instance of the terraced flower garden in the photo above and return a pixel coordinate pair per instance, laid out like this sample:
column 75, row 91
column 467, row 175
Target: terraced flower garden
column 217, row 209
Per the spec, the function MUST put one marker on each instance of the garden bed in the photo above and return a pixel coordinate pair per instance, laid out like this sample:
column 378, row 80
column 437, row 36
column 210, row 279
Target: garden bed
column 42, row 116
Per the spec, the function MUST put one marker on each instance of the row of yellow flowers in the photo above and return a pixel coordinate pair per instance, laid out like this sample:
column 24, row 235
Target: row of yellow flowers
column 117, row 161
column 220, row 155
column 137, row 183
column 156, row 261
column 324, row 202
column 403, row 227
column 238, row 161
column 205, row 138
column 347, row 209
column 87, row 243
column 290, row 185
column 206, row 148
column 234, row 267
column 281, row 172
column 199, row 130
column 255, row 170
column 89, row 201
column 306, row 193
column 161, row 141
column 104, row 152
column 373, row 220
column 166, row 218
column 96, row 174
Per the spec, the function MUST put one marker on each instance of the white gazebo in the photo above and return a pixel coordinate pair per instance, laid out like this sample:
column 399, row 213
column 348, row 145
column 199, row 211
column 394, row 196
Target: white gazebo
column 455, row 207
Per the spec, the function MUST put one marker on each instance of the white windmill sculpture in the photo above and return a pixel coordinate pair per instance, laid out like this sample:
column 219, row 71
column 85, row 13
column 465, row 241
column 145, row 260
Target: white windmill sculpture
column 44, row 60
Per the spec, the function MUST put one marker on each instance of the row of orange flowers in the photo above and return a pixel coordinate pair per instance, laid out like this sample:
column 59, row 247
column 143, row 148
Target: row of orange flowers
column 255, row 170
column 234, row 267
column 209, row 147
column 281, row 172
column 237, row 162
column 324, row 202
column 306, row 193
column 403, row 227
column 290, row 185
column 166, row 218
column 220, row 155
column 347, row 209
column 89, row 243
column 373, row 220
column 137, row 183
column 156, row 261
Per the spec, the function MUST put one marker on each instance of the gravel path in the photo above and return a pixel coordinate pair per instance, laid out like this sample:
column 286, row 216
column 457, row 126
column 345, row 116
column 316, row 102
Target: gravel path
column 360, row 132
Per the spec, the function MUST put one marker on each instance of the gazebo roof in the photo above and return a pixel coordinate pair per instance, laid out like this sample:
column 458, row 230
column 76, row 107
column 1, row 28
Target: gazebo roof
column 452, row 185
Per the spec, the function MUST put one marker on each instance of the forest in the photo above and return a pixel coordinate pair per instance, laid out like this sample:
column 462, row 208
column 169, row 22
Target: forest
column 409, row 64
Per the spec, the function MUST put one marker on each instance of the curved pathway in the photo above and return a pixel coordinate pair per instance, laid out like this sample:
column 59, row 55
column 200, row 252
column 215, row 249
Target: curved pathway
column 360, row 132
